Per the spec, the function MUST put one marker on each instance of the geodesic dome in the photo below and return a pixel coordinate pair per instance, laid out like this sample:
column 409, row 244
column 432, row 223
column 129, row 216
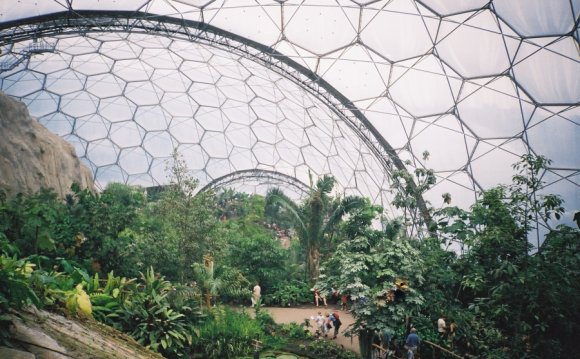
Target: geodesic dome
column 279, row 89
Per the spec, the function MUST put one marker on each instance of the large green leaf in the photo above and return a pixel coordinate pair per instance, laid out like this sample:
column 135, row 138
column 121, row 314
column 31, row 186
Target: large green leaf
column 45, row 242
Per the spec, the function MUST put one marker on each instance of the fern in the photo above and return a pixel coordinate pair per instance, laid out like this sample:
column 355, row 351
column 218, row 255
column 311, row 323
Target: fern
column 183, row 295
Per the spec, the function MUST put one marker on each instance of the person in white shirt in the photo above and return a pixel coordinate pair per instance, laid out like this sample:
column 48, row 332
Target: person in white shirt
column 441, row 326
column 256, row 294
column 319, row 324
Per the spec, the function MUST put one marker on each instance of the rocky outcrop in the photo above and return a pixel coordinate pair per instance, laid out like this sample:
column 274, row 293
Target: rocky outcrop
column 32, row 157
column 41, row 334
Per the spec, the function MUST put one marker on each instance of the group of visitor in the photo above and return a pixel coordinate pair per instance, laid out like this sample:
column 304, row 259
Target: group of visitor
column 388, row 343
column 336, row 296
column 325, row 323
column 446, row 332
column 413, row 341
column 328, row 321
column 390, row 346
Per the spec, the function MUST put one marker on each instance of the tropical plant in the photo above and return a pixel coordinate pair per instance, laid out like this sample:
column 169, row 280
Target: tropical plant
column 409, row 189
column 315, row 220
column 227, row 334
column 552, row 295
column 213, row 283
column 295, row 331
column 206, row 280
column 30, row 222
column 264, row 318
column 288, row 293
column 108, row 300
column 15, row 290
column 256, row 254
column 326, row 349
column 504, row 306
column 149, row 318
column 188, row 219
column 90, row 230
column 380, row 275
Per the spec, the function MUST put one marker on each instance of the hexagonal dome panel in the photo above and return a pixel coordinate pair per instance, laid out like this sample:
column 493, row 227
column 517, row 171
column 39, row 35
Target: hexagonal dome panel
column 358, row 89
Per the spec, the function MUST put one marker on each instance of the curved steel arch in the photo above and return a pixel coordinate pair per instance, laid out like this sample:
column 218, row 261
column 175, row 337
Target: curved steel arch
column 92, row 21
column 257, row 174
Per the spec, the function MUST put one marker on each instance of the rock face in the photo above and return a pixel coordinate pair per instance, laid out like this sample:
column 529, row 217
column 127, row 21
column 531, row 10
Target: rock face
column 32, row 157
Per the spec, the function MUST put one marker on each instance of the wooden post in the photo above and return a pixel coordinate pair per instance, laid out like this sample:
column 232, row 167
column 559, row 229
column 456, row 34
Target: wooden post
column 257, row 343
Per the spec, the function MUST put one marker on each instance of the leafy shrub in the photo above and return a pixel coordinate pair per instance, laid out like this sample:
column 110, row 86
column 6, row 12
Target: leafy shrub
column 149, row 319
column 108, row 301
column 265, row 320
column 15, row 290
column 328, row 349
column 227, row 334
column 253, row 251
column 295, row 331
column 184, row 295
column 289, row 293
column 155, row 325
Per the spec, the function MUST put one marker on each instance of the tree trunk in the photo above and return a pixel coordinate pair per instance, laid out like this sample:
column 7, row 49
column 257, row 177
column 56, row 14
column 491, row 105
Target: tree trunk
column 313, row 264
column 208, row 301
column 365, row 342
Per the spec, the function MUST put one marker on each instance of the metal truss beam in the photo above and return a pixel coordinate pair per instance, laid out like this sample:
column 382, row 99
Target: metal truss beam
column 83, row 22
column 261, row 176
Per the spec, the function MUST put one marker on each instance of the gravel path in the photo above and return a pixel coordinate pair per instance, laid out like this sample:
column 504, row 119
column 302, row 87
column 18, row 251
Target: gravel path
column 298, row 314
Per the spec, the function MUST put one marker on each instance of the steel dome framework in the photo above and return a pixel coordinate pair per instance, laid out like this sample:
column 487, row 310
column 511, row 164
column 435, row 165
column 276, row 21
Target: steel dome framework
column 278, row 89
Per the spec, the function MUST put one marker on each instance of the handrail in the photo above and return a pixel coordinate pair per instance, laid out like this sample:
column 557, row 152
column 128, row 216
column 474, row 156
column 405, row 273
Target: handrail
column 444, row 349
column 381, row 349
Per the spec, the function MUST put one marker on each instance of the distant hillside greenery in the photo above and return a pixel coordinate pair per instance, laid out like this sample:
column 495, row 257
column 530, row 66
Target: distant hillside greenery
column 166, row 266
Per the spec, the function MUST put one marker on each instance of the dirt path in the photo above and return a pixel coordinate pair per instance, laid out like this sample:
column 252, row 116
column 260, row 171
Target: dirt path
column 298, row 314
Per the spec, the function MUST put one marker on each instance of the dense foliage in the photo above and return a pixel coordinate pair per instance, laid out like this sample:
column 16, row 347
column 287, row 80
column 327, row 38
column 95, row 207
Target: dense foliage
column 505, row 302
column 315, row 220
column 159, row 265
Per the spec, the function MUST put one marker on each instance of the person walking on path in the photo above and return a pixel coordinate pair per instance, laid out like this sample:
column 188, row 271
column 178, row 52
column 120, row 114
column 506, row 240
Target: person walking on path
column 256, row 294
column 319, row 324
column 412, row 343
column 327, row 324
column 335, row 318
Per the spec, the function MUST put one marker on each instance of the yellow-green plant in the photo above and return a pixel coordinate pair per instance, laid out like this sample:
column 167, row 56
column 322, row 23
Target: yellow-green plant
column 78, row 302
column 15, row 290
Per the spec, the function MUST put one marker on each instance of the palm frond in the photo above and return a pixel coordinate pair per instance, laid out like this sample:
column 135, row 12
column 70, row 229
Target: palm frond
column 346, row 205
column 325, row 184
column 275, row 197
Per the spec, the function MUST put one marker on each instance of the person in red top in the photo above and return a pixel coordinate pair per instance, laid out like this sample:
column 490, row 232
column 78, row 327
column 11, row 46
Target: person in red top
column 343, row 300
column 335, row 318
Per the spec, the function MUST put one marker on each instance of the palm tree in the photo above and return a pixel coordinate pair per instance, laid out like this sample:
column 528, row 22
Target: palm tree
column 212, row 284
column 316, row 219
column 206, row 281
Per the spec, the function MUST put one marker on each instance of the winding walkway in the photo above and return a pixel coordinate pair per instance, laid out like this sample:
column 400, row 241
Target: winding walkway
column 298, row 314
